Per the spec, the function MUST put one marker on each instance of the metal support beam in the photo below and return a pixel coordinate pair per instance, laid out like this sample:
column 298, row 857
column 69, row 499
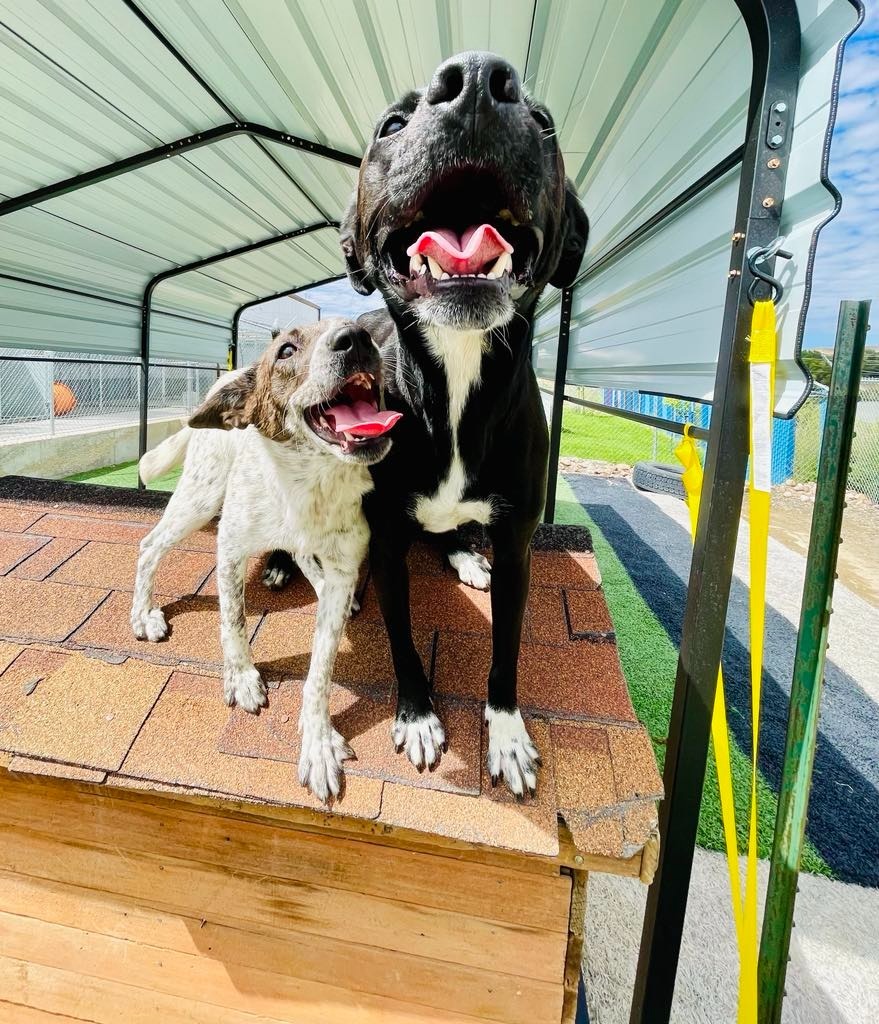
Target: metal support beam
column 774, row 30
column 147, row 304
column 808, row 677
column 236, row 319
column 170, row 149
column 700, row 433
column 558, row 403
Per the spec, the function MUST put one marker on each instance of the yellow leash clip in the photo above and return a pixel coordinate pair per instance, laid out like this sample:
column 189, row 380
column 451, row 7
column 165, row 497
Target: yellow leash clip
column 762, row 359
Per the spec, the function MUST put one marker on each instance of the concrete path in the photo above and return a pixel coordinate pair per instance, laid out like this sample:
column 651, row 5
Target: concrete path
column 833, row 977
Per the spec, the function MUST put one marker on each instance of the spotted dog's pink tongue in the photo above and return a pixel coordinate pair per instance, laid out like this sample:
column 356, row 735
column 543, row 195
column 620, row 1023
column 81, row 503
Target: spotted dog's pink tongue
column 361, row 419
column 469, row 254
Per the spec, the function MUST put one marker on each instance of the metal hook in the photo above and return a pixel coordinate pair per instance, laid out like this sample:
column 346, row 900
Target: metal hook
column 760, row 255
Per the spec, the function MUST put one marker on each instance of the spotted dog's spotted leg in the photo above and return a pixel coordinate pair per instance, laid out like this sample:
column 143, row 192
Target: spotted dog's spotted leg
column 242, row 684
column 324, row 749
column 196, row 501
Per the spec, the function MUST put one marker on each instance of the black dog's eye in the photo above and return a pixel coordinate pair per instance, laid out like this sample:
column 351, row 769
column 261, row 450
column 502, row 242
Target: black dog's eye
column 286, row 351
column 394, row 124
column 542, row 120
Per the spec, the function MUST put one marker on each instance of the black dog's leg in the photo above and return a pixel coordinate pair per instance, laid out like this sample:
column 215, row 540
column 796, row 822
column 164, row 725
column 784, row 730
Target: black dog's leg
column 279, row 570
column 472, row 567
column 416, row 729
column 511, row 752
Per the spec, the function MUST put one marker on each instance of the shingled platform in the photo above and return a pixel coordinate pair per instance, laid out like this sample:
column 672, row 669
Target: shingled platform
column 159, row 851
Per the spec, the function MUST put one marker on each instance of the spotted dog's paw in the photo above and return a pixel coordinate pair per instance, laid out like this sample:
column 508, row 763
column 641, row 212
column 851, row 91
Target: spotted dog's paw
column 472, row 568
column 512, row 755
column 244, row 687
column 149, row 625
column 423, row 739
column 355, row 607
column 320, row 761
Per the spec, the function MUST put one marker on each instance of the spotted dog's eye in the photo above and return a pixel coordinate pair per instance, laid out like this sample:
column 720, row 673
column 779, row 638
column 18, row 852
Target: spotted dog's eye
column 286, row 351
column 394, row 124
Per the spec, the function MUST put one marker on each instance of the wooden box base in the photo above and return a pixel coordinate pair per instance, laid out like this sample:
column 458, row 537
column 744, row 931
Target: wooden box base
column 122, row 905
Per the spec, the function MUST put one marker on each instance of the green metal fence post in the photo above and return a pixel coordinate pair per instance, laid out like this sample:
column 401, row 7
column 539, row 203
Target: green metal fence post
column 808, row 675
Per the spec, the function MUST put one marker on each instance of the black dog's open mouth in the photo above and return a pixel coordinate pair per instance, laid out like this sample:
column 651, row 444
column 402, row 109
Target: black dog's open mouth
column 352, row 418
column 466, row 232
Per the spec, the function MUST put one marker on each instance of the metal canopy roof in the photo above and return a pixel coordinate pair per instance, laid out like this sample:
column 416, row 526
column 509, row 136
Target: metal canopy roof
column 649, row 96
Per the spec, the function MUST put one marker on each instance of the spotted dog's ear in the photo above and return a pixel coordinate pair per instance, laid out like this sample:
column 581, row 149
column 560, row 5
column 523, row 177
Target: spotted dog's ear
column 575, row 234
column 230, row 406
column 350, row 238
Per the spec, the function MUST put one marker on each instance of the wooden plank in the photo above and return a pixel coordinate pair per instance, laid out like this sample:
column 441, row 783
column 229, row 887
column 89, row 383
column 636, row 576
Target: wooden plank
column 17, row 1014
column 398, row 976
column 574, row 957
column 315, row 821
column 227, row 898
column 202, row 979
column 247, row 847
column 82, row 997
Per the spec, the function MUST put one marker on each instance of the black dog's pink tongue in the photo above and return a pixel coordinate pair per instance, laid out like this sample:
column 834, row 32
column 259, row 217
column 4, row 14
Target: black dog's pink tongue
column 361, row 419
column 468, row 254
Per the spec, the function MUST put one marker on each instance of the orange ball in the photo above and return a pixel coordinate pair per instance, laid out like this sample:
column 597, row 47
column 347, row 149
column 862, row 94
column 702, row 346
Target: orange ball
column 63, row 399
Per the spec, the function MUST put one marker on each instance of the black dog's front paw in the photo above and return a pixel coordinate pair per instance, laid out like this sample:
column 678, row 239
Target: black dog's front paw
column 279, row 570
column 512, row 755
column 421, row 737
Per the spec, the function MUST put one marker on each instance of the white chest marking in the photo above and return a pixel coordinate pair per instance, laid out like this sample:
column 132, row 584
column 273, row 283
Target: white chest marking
column 459, row 353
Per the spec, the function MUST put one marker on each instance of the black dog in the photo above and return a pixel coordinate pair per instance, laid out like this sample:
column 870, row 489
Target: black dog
column 462, row 215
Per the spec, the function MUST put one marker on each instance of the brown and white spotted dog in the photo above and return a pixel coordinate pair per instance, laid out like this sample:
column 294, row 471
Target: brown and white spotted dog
column 293, row 478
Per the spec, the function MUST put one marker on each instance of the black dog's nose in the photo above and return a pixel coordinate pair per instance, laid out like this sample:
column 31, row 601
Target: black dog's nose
column 480, row 77
column 351, row 338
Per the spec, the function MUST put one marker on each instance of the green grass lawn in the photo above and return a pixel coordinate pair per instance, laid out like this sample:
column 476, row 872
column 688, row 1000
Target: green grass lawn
column 649, row 661
column 125, row 475
column 603, row 436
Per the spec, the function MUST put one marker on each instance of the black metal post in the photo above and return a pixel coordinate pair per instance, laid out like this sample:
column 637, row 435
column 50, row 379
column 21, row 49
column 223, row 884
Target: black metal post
column 558, row 403
column 236, row 319
column 774, row 30
column 147, row 303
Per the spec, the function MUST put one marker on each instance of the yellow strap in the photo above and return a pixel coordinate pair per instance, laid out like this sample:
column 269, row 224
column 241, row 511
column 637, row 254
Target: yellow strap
column 762, row 358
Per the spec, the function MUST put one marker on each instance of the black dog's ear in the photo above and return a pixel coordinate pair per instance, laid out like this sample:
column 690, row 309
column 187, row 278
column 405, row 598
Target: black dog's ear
column 575, row 234
column 350, row 236
column 229, row 406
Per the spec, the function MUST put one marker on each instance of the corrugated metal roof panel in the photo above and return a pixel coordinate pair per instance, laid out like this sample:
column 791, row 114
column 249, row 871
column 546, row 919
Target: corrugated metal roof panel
column 647, row 94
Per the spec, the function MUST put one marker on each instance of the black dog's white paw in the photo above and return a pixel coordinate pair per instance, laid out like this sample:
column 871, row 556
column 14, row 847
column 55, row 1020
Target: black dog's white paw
column 472, row 568
column 423, row 739
column 279, row 570
column 512, row 755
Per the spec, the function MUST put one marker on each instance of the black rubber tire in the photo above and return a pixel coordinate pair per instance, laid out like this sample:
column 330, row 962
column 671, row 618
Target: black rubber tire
column 659, row 477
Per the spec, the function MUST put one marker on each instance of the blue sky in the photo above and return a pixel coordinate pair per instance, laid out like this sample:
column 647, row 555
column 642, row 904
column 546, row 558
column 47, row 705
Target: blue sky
column 847, row 264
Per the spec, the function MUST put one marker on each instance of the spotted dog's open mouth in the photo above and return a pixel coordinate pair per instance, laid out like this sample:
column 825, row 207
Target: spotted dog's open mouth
column 352, row 418
column 466, row 233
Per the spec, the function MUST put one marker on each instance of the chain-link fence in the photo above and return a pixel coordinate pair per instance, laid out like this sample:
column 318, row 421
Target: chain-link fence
column 43, row 394
column 608, row 443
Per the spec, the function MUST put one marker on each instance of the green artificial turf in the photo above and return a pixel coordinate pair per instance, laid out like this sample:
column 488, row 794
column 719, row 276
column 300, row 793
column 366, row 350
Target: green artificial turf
column 125, row 475
column 649, row 661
